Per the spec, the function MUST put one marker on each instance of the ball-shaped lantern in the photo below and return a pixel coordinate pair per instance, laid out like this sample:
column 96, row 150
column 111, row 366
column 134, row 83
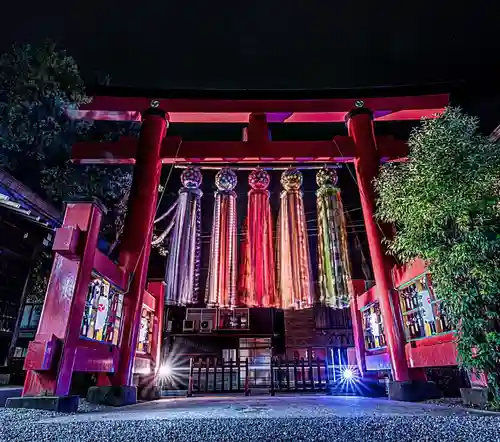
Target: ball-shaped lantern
column 259, row 179
column 291, row 179
column 226, row 179
column 191, row 177
column 326, row 176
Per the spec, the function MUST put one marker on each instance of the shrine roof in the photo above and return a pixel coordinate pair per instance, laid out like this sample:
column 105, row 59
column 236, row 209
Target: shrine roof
column 17, row 198
column 281, row 106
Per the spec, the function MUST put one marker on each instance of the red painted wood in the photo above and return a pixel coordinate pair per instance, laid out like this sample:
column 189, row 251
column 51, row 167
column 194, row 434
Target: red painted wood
column 149, row 301
column 242, row 117
column 358, row 286
column 434, row 340
column 340, row 149
column 66, row 241
column 405, row 273
column 136, row 243
column 366, row 165
column 357, row 326
column 92, row 222
column 98, row 357
column 41, row 355
column 411, row 114
column 65, row 302
column 358, row 335
column 138, row 104
column 367, row 297
column 111, row 271
column 157, row 289
column 439, row 352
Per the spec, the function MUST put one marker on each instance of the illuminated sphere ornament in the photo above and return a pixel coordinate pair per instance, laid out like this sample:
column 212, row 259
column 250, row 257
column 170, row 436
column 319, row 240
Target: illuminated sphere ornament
column 291, row 179
column 259, row 179
column 191, row 177
column 226, row 179
column 326, row 176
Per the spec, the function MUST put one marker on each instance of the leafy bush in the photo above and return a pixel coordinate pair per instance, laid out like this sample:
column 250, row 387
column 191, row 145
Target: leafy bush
column 38, row 87
column 444, row 202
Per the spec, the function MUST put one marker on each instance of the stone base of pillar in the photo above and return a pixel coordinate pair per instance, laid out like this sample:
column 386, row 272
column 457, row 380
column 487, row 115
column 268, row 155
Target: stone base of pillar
column 413, row 391
column 113, row 396
column 475, row 396
column 61, row 404
column 8, row 392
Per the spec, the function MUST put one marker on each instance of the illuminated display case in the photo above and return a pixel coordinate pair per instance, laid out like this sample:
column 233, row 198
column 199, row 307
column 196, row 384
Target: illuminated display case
column 103, row 312
column 146, row 331
column 423, row 313
column 373, row 327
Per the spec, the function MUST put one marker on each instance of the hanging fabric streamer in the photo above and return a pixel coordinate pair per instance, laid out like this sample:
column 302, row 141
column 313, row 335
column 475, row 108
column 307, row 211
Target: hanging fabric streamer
column 295, row 283
column 221, row 282
column 182, row 274
column 257, row 281
column 334, row 273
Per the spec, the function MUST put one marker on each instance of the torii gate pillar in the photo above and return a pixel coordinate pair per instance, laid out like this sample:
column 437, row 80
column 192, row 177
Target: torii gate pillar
column 408, row 384
column 136, row 244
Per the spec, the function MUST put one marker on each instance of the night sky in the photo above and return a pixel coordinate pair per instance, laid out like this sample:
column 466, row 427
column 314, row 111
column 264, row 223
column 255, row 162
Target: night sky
column 266, row 44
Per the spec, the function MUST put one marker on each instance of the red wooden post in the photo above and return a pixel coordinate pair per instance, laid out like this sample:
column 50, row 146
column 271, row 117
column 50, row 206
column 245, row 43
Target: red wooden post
column 157, row 289
column 136, row 243
column 357, row 327
column 75, row 244
column 367, row 163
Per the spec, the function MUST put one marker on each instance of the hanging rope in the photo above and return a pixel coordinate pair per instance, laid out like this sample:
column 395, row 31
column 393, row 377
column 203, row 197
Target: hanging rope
column 164, row 234
column 168, row 212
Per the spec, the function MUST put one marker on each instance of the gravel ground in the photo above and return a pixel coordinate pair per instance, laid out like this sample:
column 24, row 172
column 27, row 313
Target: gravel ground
column 24, row 425
column 257, row 420
column 453, row 402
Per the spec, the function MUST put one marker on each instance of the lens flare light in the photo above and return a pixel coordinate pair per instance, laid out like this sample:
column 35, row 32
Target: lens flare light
column 166, row 370
column 348, row 374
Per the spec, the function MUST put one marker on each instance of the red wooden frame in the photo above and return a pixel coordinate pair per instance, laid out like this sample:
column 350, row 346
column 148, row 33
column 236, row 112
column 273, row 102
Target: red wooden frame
column 237, row 111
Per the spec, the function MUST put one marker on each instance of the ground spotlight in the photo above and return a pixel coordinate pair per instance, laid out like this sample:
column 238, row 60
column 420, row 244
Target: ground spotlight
column 347, row 374
column 165, row 370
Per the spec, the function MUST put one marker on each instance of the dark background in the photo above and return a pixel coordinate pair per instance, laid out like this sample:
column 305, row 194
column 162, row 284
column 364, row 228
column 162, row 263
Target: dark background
column 266, row 44
column 322, row 44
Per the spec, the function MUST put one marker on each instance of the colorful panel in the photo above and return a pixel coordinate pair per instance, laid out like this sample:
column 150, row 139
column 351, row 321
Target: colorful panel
column 373, row 327
column 423, row 313
column 103, row 310
column 146, row 331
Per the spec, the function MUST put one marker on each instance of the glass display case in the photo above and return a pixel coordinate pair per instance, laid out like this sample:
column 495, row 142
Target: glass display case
column 373, row 327
column 146, row 331
column 422, row 312
column 103, row 312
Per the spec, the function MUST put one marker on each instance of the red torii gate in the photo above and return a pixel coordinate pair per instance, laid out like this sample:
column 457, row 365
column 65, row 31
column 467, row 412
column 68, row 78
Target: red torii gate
column 154, row 148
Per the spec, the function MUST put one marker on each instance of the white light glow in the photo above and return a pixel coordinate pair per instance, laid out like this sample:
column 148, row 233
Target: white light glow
column 347, row 374
column 166, row 370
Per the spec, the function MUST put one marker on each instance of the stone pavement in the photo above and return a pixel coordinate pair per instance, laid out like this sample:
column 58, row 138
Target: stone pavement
column 238, row 418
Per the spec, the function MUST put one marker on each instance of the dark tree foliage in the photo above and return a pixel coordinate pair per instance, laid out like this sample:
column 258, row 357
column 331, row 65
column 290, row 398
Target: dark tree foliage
column 39, row 89
column 445, row 204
